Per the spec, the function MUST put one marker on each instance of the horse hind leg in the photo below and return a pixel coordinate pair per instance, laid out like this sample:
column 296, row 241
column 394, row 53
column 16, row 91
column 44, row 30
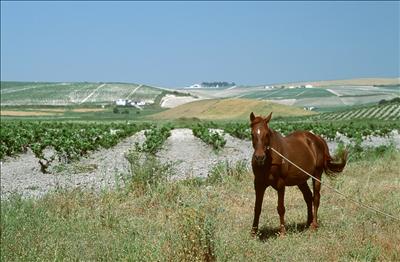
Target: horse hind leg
column 316, row 198
column 305, row 189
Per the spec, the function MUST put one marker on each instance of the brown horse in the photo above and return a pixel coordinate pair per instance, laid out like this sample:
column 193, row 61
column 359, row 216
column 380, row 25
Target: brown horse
column 308, row 151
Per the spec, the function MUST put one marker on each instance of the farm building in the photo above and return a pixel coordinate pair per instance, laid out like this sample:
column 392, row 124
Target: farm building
column 121, row 102
column 126, row 102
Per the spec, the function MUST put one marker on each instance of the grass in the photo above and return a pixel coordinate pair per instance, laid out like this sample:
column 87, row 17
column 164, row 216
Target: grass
column 206, row 220
column 220, row 109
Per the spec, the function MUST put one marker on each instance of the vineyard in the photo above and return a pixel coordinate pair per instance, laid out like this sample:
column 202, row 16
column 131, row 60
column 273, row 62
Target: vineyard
column 382, row 112
column 41, row 93
column 71, row 141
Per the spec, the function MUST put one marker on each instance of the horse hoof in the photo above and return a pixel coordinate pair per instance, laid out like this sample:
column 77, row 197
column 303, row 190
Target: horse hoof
column 314, row 226
column 282, row 231
column 254, row 231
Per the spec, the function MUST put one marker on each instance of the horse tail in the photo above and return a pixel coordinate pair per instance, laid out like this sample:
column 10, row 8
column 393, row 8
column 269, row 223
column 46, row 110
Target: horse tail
column 333, row 165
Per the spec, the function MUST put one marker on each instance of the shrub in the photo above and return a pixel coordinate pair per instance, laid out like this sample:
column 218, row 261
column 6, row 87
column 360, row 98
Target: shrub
column 197, row 233
column 227, row 170
column 146, row 171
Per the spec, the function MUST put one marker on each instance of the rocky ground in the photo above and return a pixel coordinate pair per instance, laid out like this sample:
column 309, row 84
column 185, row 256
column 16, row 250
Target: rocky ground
column 102, row 169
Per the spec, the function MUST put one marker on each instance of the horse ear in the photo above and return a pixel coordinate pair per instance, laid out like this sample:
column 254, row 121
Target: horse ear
column 268, row 117
column 252, row 117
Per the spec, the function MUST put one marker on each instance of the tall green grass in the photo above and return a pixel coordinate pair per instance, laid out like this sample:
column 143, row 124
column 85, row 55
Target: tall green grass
column 154, row 218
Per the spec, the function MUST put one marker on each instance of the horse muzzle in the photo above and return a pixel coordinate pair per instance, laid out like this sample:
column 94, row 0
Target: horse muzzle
column 260, row 159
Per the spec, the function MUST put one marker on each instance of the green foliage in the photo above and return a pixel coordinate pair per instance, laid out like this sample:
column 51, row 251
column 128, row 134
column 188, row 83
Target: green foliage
column 239, row 130
column 329, row 130
column 212, row 138
column 69, row 140
column 358, row 152
column 155, row 138
column 146, row 171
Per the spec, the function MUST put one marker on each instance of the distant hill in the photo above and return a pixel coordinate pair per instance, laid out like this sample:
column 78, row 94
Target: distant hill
column 322, row 96
column 75, row 93
column 218, row 109
column 349, row 82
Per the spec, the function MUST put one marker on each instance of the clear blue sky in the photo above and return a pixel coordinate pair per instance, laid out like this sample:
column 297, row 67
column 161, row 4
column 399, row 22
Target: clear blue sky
column 181, row 43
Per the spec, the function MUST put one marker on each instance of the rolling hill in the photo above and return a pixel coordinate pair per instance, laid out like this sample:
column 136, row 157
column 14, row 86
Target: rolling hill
column 352, row 82
column 217, row 109
column 76, row 93
column 323, row 98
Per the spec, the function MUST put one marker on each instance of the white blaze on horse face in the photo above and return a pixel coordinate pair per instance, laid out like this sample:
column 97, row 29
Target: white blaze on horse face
column 258, row 131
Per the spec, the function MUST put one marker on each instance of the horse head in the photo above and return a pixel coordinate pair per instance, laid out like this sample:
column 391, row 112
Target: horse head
column 260, row 136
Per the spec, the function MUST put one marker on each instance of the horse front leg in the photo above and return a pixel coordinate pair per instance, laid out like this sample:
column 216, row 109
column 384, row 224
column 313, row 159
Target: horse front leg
column 281, row 210
column 257, row 207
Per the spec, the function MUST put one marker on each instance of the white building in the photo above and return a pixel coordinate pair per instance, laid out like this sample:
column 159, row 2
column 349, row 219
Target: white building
column 120, row 102
column 309, row 86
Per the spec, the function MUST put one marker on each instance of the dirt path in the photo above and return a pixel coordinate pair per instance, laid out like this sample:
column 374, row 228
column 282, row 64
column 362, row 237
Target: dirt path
column 94, row 91
column 133, row 91
column 194, row 158
column 171, row 101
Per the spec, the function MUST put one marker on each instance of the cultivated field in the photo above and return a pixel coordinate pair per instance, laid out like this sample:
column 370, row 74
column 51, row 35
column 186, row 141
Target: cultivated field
column 324, row 96
column 56, row 94
column 381, row 112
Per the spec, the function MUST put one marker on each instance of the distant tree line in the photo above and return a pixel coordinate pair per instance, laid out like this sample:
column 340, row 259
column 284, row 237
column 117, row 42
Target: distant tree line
column 390, row 85
column 394, row 100
column 219, row 84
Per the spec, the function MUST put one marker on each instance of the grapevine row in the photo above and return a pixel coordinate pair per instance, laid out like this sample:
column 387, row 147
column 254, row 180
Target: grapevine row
column 382, row 112
column 209, row 137
column 155, row 138
column 69, row 140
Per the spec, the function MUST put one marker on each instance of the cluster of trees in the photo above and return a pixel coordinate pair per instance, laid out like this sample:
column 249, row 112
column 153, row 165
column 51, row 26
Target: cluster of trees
column 219, row 84
column 394, row 85
column 394, row 100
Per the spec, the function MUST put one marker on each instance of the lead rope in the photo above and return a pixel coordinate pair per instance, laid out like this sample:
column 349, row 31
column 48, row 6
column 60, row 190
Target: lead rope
column 337, row 191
